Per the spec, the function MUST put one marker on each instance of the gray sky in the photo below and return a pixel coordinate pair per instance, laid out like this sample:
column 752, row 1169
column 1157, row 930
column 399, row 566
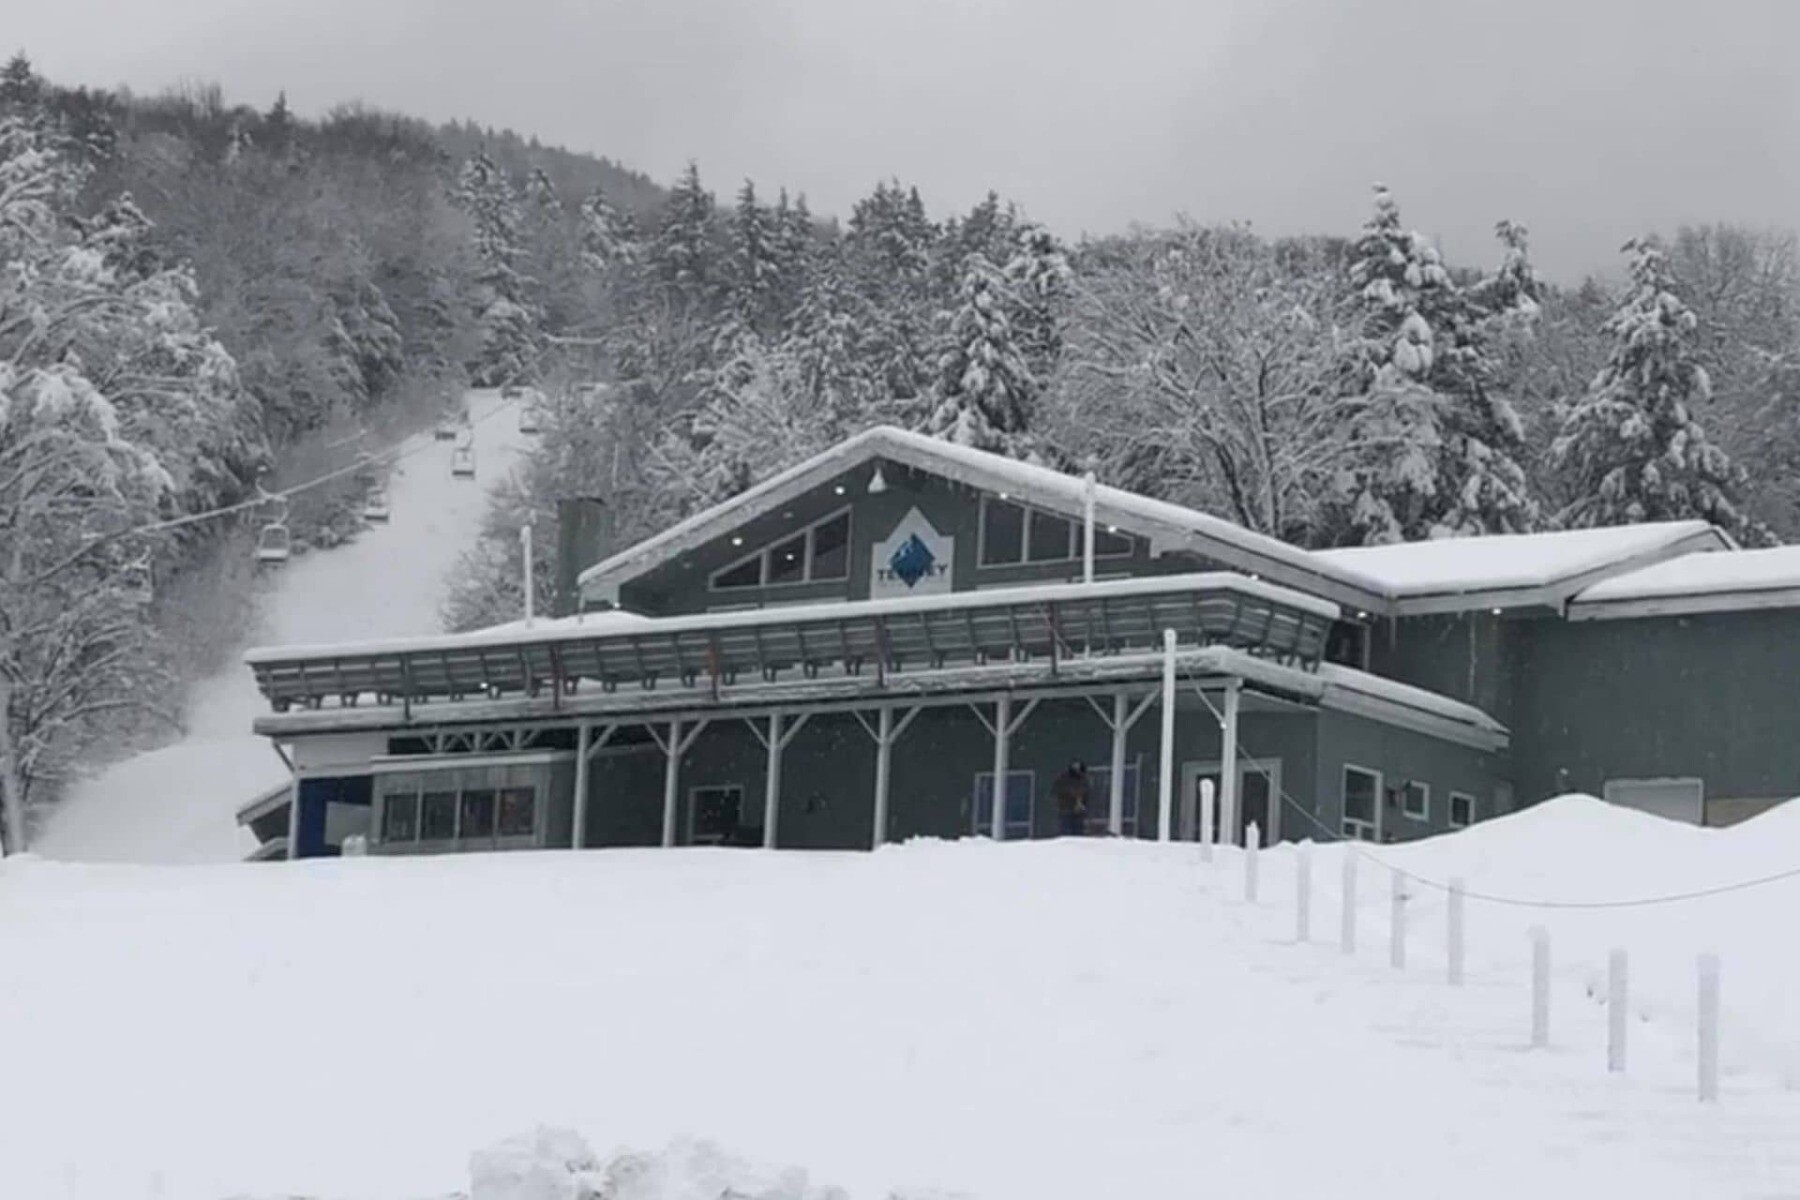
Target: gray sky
column 1587, row 120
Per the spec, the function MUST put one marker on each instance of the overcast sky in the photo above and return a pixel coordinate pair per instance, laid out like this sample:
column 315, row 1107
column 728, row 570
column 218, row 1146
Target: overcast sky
column 1587, row 120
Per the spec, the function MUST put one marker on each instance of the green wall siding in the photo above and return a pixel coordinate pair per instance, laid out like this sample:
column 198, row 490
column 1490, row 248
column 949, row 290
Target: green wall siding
column 1709, row 695
column 1401, row 755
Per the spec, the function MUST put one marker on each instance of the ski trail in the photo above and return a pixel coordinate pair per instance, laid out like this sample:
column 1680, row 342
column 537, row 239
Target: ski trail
column 178, row 804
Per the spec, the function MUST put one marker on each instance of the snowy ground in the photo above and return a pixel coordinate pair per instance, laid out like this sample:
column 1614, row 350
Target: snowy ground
column 1013, row 1022
column 179, row 804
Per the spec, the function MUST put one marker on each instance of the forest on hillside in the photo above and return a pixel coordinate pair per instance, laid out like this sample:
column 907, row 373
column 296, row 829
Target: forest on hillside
column 203, row 303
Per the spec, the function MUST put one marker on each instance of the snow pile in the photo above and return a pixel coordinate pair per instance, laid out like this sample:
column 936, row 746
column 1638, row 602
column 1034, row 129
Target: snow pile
column 1046, row 1021
column 178, row 804
column 554, row 1164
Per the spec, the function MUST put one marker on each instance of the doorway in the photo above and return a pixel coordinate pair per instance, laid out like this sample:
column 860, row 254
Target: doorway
column 1259, row 799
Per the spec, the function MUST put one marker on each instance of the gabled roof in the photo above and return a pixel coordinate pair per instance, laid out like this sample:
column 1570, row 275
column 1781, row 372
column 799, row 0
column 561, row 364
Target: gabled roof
column 1697, row 583
column 1167, row 526
column 1518, row 570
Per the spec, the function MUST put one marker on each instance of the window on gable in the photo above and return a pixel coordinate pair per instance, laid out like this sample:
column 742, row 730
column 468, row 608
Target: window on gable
column 1002, row 533
column 1013, row 534
column 1049, row 539
column 818, row 553
column 1462, row 810
column 831, row 548
column 1415, row 800
column 787, row 561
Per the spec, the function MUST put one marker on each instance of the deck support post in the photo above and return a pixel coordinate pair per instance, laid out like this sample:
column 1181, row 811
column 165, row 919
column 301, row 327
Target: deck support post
column 671, row 781
column 772, row 782
column 1165, row 779
column 293, row 846
column 886, row 731
column 1115, row 808
column 1002, row 763
column 1229, row 816
column 578, row 814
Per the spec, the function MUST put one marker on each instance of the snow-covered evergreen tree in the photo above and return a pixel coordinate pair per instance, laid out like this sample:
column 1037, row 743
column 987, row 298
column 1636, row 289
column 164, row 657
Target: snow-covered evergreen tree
column 685, row 250
column 755, row 271
column 985, row 390
column 508, row 320
column 1039, row 277
column 608, row 236
column 1631, row 446
column 1434, row 449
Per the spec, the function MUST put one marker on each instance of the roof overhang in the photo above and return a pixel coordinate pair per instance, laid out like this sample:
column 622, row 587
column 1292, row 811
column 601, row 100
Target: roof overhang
column 1166, row 526
column 1685, row 604
column 1552, row 595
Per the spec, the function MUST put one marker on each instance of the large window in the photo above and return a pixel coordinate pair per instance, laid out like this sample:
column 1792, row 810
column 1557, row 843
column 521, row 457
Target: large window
column 715, row 814
column 1362, row 804
column 1415, row 800
column 1012, row 534
column 820, row 553
column 1020, row 786
column 474, row 808
column 1100, row 799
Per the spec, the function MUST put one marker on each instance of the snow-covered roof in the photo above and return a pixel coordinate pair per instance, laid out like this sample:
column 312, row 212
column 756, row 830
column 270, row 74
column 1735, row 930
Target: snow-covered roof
column 1166, row 525
column 595, row 624
column 1449, row 574
column 1696, row 583
column 1351, row 689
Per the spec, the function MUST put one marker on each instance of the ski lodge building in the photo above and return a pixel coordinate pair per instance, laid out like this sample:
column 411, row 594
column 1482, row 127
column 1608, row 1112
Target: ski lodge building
column 854, row 651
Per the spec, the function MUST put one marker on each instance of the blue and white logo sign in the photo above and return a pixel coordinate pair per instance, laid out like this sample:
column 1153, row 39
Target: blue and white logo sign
column 914, row 560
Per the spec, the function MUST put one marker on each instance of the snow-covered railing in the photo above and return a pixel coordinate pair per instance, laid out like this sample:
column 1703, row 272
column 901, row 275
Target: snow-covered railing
column 883, row 637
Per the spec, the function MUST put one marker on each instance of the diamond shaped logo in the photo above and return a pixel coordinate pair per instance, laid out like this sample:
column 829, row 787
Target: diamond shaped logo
column 912, row 561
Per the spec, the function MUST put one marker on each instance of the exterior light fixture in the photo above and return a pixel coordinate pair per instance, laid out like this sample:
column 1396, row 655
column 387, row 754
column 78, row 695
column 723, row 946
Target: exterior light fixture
column 737, row 541
column 839, row 489
column 877, row 483
column 1496, row 612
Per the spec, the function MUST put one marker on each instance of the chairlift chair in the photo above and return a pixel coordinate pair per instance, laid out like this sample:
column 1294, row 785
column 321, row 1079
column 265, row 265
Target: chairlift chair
column 528, row 417
column 139, row 580
column 274, row 544
column 375, row 506
column 462, row 462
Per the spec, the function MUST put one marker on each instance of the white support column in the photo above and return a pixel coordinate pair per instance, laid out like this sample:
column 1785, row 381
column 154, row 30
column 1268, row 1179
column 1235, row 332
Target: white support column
column 1115, row 814
column 671, row 781
column 1087, row 517
column 578, row 816
column 772, row 782
column 884, row 761
column 1002, row 762
column 1165, row 781
column 1229, row 817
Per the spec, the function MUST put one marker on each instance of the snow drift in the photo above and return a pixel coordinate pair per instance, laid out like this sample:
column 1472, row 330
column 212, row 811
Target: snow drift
column 1033, row 1021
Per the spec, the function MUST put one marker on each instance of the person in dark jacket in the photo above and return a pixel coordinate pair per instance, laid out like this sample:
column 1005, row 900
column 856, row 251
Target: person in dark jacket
column 1071, row 793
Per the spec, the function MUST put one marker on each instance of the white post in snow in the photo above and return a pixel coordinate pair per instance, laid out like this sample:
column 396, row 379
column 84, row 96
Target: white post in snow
column 772, row 782
column 1540, row 987
column 1252, row 840
column 884, row 760
column 1618, row 1000
column 1456, row 932
column 530, row 592
column 356, row 845
column 1302, row 893
column 1709, row 1028
column 1397, row 920
column 1165, row 781
column 671, row 782
column 1087, row 516
column 1115, row 808
column 1229, row 816
column 1207, row 821
column 1349, row 934
column 1002, row 763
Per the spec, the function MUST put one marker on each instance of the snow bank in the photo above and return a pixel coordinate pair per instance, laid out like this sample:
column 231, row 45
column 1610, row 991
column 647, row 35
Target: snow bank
column 1045, row 1021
